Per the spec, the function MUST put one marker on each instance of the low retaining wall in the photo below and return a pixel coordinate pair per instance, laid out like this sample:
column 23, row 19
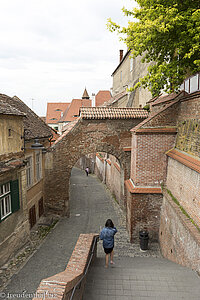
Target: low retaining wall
column 60, row 286
column 179, row 238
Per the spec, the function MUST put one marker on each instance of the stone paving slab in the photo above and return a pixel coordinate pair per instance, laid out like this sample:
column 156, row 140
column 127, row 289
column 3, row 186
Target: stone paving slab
column 141, row 278
column 135, row 271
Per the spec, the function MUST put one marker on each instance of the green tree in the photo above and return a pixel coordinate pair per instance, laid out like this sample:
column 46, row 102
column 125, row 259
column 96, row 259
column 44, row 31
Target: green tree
column 166, row 33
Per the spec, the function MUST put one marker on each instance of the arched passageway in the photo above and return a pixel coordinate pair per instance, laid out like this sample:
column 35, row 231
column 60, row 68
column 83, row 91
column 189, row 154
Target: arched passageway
column 95, row 131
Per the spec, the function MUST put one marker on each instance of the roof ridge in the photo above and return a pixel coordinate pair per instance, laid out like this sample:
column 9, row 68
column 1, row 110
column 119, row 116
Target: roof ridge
column 134, row 129
column 71, row 125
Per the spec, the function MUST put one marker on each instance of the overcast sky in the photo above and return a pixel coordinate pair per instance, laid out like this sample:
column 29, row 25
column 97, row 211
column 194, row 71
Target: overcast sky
column 50, row 50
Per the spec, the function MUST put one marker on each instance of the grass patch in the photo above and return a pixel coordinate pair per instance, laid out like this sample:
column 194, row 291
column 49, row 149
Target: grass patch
column 114, row 197
column 44, row 230
column 182, row 209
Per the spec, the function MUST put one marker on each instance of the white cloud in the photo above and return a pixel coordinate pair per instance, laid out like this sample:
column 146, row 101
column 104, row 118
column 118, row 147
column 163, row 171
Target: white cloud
column 51, row 49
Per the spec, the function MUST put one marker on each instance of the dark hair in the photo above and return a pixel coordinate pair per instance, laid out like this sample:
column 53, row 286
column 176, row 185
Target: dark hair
column 109, row 223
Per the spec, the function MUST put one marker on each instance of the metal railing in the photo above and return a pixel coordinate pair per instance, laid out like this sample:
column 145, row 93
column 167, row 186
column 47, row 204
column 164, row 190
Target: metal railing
column 96, row 239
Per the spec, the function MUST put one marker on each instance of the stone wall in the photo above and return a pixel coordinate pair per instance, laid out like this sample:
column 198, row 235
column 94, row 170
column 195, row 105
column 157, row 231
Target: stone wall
column 179, row 238
column 15, row 228
column 115, row 179
column 99, row 166
column 109, row 171
column 127, row 75
column 11, row 132
column 85, row 137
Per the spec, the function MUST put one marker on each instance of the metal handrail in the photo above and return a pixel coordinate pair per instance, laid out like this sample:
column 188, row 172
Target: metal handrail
column 96, row 238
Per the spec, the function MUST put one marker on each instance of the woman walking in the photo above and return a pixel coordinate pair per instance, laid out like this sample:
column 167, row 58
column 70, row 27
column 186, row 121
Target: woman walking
column 107, row 235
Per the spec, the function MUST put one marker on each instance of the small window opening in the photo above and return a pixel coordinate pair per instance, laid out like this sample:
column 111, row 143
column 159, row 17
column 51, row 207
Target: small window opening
column 9, row 132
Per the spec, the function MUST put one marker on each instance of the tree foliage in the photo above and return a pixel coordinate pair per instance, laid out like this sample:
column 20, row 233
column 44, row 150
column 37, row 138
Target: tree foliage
column 166, row 33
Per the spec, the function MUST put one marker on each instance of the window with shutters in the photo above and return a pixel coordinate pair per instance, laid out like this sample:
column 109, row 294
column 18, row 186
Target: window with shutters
column 38, row 167
column 29, row 172
column 9, row 199
column 5, row 200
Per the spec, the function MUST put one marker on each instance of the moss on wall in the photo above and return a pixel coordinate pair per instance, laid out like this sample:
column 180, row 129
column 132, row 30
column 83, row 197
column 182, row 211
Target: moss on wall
column 188, row 137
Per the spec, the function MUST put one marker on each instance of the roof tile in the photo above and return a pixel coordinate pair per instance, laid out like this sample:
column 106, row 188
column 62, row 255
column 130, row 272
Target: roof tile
column 33, row 125
column 112, row 113
column 72, row 112
column 7, row 109
column 54, row 111
column 101, row 97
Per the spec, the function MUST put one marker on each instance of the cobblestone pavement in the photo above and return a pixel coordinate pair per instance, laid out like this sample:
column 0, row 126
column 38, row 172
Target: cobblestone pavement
column 91, row 205
column 123, row 248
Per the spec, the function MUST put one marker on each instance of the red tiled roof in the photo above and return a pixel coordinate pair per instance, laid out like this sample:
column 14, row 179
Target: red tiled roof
column 153, row 115
column 166, row 98
column 116, row 98
column 54, row 111
column 68, row 128
column 112, row 113
column 72, row 112
column 142, row 190
column 101, row 97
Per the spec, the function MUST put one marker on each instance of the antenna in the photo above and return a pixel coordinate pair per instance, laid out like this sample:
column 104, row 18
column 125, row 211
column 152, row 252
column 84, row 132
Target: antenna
column 32, row 102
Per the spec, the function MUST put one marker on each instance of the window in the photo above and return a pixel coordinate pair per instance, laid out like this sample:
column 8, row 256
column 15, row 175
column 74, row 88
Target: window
column 9, row 198
column 9, row 132
column 5, row 197
column 191, row 84
column 38, row 167
column 29, row 172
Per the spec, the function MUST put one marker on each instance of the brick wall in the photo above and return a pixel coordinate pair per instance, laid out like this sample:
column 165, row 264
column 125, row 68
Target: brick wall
column 143, row 213
column 184, row 183
column 179, row 238
column 109, row 136
column 109, row 171
column 60, row 286
column 189, row 125
column 148, row 159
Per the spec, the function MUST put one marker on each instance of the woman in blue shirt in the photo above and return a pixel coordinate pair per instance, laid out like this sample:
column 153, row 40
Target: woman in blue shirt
column 107, row 235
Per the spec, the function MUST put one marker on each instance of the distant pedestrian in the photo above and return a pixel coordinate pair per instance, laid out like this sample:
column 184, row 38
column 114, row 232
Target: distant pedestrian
column 107, row 235
column 87, row 171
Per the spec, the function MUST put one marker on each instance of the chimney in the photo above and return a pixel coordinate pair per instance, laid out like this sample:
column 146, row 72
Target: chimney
column 93, row 100
column 120, row 55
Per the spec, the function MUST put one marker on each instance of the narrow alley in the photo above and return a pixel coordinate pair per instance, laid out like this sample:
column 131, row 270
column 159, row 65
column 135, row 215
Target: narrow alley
column 90, row 206
column 136, row 274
